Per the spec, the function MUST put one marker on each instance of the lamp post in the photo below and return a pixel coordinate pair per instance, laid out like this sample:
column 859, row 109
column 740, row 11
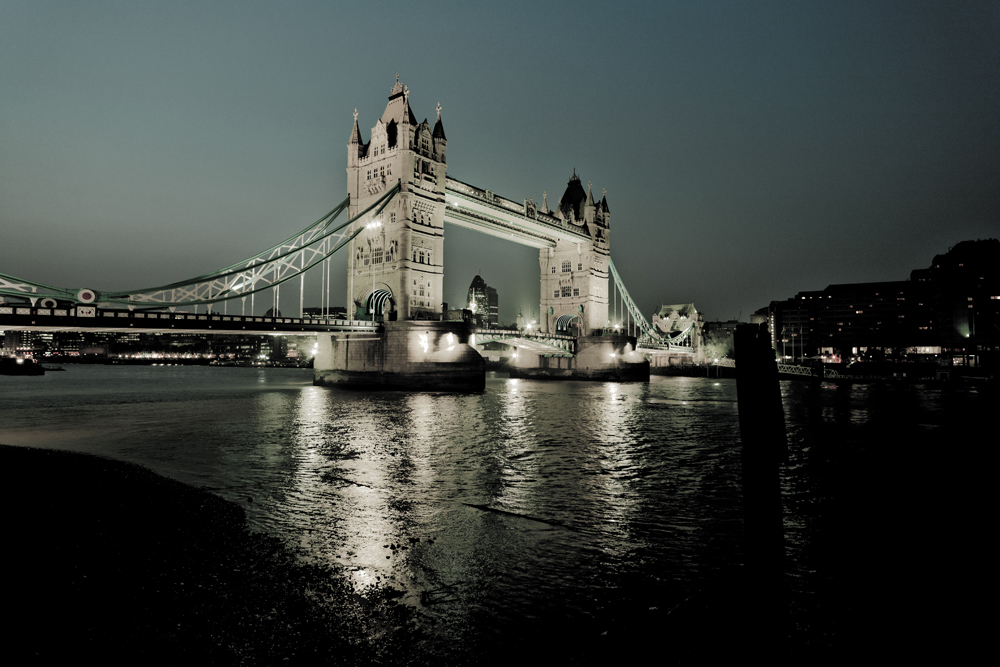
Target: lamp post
column 372, row 235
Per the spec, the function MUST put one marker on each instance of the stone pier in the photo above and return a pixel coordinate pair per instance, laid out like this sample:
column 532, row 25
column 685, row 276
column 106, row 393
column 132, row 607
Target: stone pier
column 609, row 358
column 414, row 355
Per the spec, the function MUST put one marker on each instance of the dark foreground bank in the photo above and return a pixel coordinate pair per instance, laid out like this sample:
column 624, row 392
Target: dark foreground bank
column 106, row 562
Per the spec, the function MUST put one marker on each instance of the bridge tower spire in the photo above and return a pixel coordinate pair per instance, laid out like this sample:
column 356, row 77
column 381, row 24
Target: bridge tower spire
column 397, row 263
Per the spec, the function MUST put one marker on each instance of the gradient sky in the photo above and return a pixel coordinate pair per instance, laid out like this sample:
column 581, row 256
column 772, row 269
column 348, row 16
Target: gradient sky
column 749, row 150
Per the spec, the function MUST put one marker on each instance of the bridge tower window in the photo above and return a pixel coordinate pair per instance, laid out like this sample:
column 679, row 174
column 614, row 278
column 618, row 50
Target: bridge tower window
column 555, row 294
column 567, row 291
column 553, row 269
column 579, row 266
column 567, row 266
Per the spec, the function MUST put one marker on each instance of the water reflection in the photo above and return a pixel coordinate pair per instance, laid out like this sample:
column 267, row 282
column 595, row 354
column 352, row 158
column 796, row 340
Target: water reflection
column 529, row 500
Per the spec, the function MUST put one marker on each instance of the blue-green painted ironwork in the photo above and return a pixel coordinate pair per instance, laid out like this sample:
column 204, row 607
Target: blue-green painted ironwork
column 291, row 258
column 650, row 338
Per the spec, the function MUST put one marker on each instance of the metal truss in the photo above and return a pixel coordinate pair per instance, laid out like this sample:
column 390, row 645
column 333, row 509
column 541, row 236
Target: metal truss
column 268, row 269
column 650, row 337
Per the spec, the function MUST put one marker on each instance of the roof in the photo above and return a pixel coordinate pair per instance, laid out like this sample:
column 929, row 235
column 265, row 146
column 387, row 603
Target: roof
column 439, row 130
column 573, row 197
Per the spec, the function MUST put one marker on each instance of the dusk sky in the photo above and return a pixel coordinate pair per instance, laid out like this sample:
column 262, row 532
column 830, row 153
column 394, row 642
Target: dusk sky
column 749, row 150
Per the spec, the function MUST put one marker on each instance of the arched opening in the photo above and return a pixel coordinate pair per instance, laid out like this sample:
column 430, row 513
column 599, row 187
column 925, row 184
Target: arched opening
column 378, row 304
column 568, row 325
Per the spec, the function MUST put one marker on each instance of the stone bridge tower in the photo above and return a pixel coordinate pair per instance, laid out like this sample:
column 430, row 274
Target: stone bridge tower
column 575, row 274
column 397, row 263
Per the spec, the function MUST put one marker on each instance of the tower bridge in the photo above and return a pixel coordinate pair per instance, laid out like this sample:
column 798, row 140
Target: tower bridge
column 399, row 198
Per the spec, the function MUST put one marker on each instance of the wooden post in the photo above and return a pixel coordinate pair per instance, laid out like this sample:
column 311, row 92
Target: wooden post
column 765, row 448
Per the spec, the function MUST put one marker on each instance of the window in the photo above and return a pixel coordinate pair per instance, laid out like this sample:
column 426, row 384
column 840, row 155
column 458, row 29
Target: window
column 566, row 266
column 579, row 266
column 576, row 291
column 553, row 269
column 555, row 294
column 567, row 291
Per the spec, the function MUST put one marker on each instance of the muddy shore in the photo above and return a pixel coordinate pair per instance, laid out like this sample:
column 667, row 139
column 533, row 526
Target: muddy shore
column 107, row 562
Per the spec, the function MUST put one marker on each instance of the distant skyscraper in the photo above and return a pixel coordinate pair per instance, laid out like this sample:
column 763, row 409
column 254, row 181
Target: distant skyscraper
column 484, row 303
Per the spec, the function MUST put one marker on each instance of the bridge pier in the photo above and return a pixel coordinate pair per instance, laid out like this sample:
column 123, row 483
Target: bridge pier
column 609, row 358
column 414, row 355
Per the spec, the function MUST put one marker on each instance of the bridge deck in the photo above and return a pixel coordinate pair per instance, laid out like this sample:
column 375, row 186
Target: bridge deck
column 89, row 318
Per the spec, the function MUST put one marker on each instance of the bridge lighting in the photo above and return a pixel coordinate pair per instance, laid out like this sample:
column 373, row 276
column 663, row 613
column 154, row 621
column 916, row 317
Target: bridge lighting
column 613, row 355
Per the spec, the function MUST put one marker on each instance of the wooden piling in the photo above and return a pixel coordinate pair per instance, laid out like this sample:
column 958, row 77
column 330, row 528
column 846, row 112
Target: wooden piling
column 765, row 448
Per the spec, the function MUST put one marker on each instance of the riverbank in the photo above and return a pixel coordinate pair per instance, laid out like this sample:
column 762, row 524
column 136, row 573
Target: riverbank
column 107, row 562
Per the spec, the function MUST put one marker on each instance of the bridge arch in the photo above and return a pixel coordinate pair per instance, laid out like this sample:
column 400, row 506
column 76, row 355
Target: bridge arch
column 378, row 302
column 569, row 325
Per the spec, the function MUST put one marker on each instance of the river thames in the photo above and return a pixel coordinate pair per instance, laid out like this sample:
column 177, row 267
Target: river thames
column 532, row 501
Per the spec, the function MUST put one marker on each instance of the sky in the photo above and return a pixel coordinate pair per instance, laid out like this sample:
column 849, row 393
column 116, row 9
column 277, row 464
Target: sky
column 749, row 150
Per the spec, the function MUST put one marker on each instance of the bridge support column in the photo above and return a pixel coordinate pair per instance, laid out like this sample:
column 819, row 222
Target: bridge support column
column 414, row 355
column 604, row 358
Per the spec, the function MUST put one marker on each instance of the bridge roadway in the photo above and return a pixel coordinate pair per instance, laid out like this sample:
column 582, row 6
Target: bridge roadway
column 117, row 320
column 91, row 318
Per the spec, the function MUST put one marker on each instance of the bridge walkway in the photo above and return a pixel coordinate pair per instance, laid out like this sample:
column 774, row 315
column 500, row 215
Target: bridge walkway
column 92, row 318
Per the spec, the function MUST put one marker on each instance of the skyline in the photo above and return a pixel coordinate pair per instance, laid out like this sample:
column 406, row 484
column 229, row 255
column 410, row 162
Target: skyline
column 748, row 152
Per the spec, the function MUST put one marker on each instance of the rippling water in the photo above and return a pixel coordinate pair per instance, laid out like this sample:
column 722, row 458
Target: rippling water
column 530, row 500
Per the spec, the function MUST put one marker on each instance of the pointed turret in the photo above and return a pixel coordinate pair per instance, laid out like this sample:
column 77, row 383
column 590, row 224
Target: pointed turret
column 356, row 132
column 355, row 149
column 440, row 141
column 589, row 208
column 439, row 126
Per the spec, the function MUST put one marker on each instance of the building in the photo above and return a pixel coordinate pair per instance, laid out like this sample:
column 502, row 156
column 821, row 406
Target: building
column 484, row 303
column 949, row 309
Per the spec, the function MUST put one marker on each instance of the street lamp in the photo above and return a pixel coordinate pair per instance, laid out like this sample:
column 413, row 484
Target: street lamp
column 373, row 228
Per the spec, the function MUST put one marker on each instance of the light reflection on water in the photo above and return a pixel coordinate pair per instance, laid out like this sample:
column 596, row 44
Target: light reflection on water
column 531, row 499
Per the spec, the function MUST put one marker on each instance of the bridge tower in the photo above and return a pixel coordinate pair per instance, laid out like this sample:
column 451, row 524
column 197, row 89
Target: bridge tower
column 398, row 262
column 575, row 274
